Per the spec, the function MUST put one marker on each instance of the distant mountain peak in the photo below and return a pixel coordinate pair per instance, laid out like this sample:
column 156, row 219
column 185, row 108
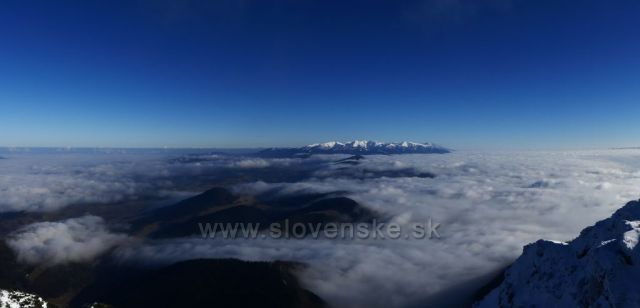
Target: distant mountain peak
column 361, row 147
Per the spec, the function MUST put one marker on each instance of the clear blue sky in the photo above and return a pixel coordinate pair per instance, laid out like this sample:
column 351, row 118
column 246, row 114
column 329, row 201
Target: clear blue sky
column 509, row 74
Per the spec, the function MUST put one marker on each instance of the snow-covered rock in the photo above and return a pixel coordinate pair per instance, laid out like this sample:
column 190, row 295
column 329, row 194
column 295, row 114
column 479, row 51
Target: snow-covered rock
column 600, row 268
column 357, row 147
column 17, row 299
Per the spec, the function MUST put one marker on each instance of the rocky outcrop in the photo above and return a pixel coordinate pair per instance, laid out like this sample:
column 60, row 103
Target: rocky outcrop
column 600, row 268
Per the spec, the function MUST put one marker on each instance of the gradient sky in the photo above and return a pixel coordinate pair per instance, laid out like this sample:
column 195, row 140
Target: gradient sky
column 507, row 74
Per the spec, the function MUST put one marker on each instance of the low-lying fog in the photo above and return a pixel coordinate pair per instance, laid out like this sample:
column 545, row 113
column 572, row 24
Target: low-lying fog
column 489, row 204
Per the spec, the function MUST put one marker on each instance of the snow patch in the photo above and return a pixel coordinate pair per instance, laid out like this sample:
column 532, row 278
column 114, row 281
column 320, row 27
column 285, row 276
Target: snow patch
column 631, row 236
column 17, row 299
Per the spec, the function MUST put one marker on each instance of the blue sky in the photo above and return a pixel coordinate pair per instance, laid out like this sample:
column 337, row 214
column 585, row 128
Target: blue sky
column 507, row 74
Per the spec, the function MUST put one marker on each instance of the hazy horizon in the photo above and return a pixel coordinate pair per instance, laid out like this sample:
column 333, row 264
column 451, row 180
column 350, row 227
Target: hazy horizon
column 242, row 149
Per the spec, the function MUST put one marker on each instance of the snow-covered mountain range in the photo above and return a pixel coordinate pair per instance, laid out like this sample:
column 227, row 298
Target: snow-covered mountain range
column 600, row 268
column 361, row 147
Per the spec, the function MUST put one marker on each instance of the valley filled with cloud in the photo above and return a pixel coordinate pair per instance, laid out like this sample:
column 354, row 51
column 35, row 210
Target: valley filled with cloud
column 488, row 204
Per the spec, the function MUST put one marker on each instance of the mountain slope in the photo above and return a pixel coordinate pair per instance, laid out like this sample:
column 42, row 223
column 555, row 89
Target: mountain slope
column 203, row 283
column 356, row 147
column 600, row 268
column 218, row 205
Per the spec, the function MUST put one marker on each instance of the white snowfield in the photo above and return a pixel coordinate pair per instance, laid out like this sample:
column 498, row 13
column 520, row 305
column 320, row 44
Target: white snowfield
column 17, row 299
column 372, row 145
column 600, row 268
column 369, row 144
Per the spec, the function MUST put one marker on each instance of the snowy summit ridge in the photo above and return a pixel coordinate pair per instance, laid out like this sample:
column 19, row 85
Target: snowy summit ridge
column 600, row 268
column 362, row 147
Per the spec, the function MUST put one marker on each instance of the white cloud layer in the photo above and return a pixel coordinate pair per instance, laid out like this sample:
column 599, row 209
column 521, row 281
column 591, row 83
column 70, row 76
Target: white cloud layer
column 489, row 205
column 73, row 240
column 251, row 163
column 49, row 180
column 52, row 180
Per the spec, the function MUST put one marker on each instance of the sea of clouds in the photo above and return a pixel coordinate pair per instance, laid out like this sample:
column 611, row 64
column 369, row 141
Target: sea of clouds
column 42, row 180
column 489, row 205
column 32, row 180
